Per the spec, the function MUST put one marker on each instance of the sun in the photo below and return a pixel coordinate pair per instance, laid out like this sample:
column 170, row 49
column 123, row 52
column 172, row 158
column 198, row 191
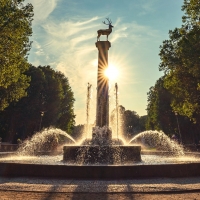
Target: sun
column 112, row 72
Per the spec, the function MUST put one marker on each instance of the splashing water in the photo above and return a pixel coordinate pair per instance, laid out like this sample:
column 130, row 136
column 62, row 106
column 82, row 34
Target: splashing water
column 89, row 96
column 115, row 117
column 102, row 136
column 116, row 107
column 158, row 140
column 45, row 140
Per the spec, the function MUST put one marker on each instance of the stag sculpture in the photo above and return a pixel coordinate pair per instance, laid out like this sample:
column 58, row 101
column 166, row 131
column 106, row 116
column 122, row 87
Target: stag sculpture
column 105, row 31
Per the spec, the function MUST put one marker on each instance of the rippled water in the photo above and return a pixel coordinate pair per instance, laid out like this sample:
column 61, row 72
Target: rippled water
column 57, row 160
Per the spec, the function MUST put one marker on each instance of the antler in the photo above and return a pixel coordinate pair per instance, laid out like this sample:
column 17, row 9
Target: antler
column 109, row 21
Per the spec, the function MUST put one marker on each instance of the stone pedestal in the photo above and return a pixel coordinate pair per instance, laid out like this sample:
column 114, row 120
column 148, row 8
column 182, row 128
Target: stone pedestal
column 102, row 149
column 102, row 110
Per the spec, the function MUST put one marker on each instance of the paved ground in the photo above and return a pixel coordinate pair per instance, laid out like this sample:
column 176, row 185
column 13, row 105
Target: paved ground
column 50, row 189
column 94, row 196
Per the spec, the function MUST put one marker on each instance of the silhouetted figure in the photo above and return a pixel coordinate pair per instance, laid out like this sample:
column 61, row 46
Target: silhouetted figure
column 105, row 31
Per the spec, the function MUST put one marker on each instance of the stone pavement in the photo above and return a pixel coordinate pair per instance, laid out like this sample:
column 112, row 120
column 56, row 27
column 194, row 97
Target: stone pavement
column 10, row 195
column 41, row 188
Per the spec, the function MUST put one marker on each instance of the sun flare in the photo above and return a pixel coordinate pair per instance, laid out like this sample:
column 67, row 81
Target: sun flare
column 112, row 72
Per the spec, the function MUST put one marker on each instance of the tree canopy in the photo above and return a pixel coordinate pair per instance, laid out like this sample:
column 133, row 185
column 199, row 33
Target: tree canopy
column 30, row 97
column 15, row 30
column 175, row 98
column 49, row 93
column 180, row 61
column 160, row 115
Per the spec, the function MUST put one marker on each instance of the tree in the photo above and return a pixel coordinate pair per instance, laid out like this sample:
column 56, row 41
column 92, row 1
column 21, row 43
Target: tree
column 160, row 113
column 142, row 122
column 178, row 91
column 49, row 93
column 181, row 62
column 66, row 118
column 78, row 131
column 129, row 122
column 15, row 30
column 192, row 12
column 162, row 117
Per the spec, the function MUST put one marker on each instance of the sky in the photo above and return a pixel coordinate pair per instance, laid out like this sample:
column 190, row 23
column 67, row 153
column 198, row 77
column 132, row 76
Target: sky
column 65, row 33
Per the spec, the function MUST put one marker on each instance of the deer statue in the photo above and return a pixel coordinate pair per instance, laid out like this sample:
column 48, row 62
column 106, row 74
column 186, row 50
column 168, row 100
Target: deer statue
column 105, row 31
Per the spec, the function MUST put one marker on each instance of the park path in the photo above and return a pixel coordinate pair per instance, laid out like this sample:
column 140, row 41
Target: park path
column 10, row 195
column 50, row 189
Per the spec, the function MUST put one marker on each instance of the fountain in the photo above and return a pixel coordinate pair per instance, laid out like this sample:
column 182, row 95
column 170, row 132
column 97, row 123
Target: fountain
column 36, row 159
column 102, row 156
column 102, row 148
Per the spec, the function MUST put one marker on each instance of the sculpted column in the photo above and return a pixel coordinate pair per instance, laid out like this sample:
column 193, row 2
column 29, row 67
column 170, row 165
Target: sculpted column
column 102, row 112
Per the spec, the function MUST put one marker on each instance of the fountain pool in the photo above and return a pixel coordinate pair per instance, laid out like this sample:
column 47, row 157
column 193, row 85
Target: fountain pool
column 148, row 158
column 151, row 166
column 154, row 163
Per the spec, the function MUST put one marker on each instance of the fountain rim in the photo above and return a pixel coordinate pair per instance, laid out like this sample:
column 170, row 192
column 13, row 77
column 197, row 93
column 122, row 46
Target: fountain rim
column 112, row 172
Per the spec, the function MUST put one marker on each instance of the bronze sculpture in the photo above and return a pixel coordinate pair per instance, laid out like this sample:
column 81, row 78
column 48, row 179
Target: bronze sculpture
column 105, row 31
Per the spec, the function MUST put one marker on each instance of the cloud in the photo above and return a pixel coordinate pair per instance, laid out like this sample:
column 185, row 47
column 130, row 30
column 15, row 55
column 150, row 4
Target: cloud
column 147, row 6
column 42, row 8
column 134, row 33
column 69, row 46
column 38, row 49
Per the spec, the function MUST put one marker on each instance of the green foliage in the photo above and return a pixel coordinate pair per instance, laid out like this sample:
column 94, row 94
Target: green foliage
column 178, row 90
column 78, row 131
column 129, row 122
column 160, row 114
column 49, row 92
column 180, row 61
column 162, row 117
column 15, row 30
column 192, row 12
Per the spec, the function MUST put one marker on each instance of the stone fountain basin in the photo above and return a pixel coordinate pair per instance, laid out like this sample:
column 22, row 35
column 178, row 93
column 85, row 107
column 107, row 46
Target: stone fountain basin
column 151, row 166
column 100, row 171
column 105, row 154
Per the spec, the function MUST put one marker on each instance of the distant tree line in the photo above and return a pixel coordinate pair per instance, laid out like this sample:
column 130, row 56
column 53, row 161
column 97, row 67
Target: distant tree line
column 178, row 91
column 129, row 122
